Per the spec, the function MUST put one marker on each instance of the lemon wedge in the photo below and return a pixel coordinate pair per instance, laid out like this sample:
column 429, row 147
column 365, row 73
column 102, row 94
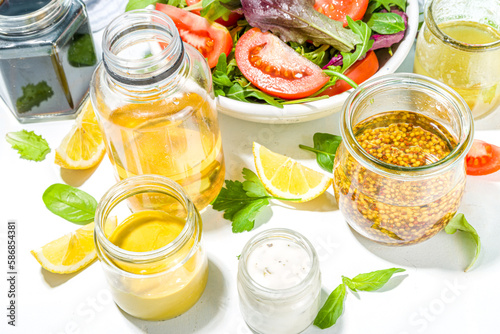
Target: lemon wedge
column 83, row 147
column 72, row 251
column 286, row 178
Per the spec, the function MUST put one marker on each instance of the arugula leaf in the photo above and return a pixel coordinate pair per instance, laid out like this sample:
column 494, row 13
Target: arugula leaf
column 371, row 281
column 29, row 145
column 332, row 309
column 139, row 4
column 386, row 23
column 376, row 4
column 242, row 201
column 364, row 32
column 320, row 56
column 459, row 223
column 70, row 203
column 214, row 9
column 325, row 147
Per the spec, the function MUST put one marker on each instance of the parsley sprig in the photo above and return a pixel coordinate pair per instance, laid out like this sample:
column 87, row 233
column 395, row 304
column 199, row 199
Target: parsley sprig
column 242, row 201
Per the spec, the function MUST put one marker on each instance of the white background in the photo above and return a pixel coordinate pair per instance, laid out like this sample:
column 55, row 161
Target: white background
column 433, row 296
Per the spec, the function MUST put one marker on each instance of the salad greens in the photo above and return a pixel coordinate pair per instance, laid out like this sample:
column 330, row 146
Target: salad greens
column 298, row 21
column 139, row 4
column 28, row 144
column 373, row 5
column 386, row 23
column 334, row 305
column 214, row 9
column 459, row 223
column 325, row 147
column 242, row 201
column 33, row 96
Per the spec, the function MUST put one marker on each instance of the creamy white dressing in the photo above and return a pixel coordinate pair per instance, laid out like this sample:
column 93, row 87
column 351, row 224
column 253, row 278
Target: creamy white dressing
column 278, row 264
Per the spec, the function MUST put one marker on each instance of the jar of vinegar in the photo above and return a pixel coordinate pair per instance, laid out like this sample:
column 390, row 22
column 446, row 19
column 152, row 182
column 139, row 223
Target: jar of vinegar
column 153, row 97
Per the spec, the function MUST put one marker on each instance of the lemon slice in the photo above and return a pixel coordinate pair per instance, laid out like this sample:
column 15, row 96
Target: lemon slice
column 72, row 251
column 286, row 178
column 83, row 147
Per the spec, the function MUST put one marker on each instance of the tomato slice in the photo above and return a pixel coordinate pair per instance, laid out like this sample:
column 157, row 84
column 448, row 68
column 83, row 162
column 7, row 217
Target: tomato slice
column 338, row 9
column 359, row 72
column 483, row 158
column 274, row 67
column 231, row 20
column 210, row 38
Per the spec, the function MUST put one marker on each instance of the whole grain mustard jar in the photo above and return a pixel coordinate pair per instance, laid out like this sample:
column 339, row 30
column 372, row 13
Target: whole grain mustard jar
column 148, row 240
column 154, row 100
column 399, row 174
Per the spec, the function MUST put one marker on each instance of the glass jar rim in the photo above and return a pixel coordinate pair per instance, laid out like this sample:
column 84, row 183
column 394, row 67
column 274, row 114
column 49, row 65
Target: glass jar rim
column 35, row 21
column 405, row 79
column 431, row 24
column 138, row 185
column 271, row 234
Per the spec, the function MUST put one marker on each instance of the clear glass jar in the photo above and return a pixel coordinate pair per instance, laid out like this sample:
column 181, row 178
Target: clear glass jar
column 392, row 204
column 459, row 45
column 47, row 58
column 155, row 284
column 291, row 308
column 153, row 97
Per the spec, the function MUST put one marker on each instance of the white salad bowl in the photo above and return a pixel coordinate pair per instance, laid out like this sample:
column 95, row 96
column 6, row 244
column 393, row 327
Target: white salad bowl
column 297, row 113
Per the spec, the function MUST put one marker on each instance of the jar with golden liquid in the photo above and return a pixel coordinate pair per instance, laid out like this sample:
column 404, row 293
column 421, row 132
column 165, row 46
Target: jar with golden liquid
column 153, row 97
column 459, row 45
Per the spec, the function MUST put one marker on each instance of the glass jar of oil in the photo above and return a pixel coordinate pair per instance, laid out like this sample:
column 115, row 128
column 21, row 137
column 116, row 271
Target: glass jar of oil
column 153, row 97
column 459, row 45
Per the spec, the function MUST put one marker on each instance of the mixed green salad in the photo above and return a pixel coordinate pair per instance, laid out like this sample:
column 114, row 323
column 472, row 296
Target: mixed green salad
column 282, row 52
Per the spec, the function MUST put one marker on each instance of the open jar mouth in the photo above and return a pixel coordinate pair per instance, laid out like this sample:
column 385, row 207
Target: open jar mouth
column 273, row 234
column 144, row 184
column 406, row 83
column 33, row 22
column 431, row 23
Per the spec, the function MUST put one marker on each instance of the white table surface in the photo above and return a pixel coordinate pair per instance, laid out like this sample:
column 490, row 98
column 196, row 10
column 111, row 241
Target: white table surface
column 433, row 296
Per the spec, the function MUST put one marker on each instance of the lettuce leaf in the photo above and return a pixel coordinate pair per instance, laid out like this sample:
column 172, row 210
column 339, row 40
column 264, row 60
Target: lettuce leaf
column 298, row 21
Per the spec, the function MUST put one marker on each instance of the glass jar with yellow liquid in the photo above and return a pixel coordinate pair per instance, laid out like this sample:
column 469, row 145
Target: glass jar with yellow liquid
column 152, row 257
column 153, row 97
column 459, row 45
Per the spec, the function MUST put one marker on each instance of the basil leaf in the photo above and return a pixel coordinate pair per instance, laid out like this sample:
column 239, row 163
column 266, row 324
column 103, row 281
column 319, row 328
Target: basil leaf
column 325, row 147
column 70, row 203
column 332, row 309
column 376, row 4
column 386, row 23
column 459, row 223
column 364, row 32
column 29, row 145
column 371, row 281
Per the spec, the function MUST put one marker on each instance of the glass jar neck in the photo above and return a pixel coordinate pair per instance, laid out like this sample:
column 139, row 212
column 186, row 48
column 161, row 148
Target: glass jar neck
column 288, row 294
column 442, row 11
column 433, row 95
column 142, row 50
column 149, row 185
column 34, row 22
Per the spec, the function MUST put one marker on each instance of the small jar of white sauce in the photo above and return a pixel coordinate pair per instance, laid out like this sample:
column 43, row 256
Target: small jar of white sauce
column 279, row 282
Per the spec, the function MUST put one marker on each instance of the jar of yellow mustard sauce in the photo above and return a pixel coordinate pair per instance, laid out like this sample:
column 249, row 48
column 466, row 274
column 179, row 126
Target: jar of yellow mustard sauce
column 148, row 239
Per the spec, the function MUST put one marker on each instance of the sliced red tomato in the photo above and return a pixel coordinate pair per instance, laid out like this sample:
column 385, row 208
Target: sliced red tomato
column 483, row 158
column 210, row 38
column 359, row 72
column 274, row 67
column 231, row 20
column 338, row 9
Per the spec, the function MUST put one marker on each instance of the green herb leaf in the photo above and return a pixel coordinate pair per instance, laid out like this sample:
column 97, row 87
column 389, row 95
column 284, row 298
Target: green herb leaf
column 364, row 32
column 376, row 4
column 461, row 224
column 325, row 147
column 371, row 281
column 139, row 4
column 242, row 201
column 29, row 145
column 70, row 203
column 214, row 9
column 33, row 96
column 332, row 309
column 386, row 23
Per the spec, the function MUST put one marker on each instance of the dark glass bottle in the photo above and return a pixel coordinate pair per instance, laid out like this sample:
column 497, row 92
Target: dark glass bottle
column 47, row 57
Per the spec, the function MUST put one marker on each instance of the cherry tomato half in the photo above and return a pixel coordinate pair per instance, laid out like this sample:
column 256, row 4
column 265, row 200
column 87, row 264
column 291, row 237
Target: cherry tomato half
column 359, row 72
column 274, row 67
column 210, row 38
column 483, row 158
column 338, row 9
